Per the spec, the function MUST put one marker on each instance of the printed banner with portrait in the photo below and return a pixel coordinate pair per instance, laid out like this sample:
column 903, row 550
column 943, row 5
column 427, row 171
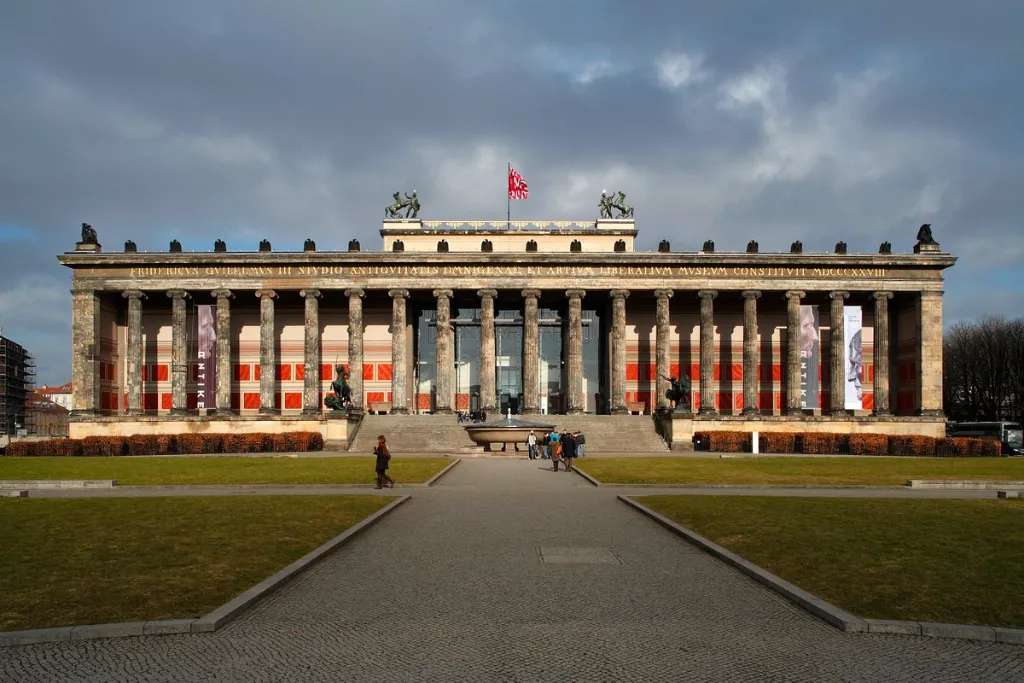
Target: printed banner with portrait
column 206, row 376
column 810, row 358
column 854, row 359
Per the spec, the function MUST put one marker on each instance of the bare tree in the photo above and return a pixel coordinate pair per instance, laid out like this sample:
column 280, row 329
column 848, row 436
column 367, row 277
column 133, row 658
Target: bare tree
column 984, row 370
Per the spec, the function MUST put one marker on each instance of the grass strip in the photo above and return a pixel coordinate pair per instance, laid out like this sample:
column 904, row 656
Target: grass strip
column 810, row 471
column 951, row 561
column 231, row 470
column 89, row 561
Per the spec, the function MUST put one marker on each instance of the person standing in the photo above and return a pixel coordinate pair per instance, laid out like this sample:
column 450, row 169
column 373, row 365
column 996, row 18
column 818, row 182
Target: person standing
column 531, row 446
column 581, row 442
column 383, row 461
column 568, row 450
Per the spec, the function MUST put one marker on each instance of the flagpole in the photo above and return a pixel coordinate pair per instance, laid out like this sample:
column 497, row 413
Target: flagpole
column 508, row 199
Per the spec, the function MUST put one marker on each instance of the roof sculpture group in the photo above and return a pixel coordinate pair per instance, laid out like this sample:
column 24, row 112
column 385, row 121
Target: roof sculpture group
column 614, row 202
column 410, row 204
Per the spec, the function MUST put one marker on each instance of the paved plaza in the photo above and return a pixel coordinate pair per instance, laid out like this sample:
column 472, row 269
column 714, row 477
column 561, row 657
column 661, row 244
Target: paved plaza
column 507, row 571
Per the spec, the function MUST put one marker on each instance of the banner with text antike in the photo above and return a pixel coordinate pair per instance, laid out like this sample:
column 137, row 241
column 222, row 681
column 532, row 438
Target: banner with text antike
column 853, row 362
column 810, row 358
column 206, row 361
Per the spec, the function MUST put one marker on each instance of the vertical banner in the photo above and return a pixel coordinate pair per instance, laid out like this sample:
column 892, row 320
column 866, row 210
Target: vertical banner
column 810, row 358
column 207, row 362
column 852, row 323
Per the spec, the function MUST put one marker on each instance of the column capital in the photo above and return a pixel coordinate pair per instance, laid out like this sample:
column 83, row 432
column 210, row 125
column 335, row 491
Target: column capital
column 575, row 293
column 707, row 294
column 882, row 295
column 664, row 293
column 260, row 293
column 751, row 293
column 442, row 293
column 619, row 293
column 839, row 294
column 931, row 294
column 133, row 294
column 177, row 294
column 531, row 293
column 398, row 293
column 354, row 291
column 487, row 293
column 795, row 294
column 309, row 293
column 222, row 292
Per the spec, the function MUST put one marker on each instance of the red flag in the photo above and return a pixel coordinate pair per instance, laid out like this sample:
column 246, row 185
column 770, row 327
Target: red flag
column 517, row 188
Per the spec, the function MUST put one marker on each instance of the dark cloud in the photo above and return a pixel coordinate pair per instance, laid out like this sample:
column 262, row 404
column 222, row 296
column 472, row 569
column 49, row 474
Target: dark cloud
column 729, row 121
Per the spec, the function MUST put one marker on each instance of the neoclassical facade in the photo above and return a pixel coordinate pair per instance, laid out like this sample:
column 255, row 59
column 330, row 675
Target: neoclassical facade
column 530, row 317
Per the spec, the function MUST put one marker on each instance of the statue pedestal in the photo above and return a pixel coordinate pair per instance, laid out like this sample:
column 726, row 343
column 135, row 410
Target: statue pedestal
column 88, row 247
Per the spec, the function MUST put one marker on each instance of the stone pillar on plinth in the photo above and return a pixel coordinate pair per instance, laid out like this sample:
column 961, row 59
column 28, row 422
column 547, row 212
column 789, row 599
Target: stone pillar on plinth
column 531, row 352
column 929, row 328
column 707, row 351
column 399, row 387
column 837, row 386
column 85, row 340
column 618, row 388
column 355, row 348
column 750, row 352
column 488, row 398
column 793, row 402
column 179, row 352
column 311, row 354
column 223, row 329
column 662, row 352
column 881, row 341
column 133, row 374
column 444, row 358
column 268, row 357
column 574, row 363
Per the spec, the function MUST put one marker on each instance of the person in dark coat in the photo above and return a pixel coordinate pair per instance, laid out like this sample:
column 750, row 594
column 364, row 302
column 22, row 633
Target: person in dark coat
column 568, row 450
column 383, row 460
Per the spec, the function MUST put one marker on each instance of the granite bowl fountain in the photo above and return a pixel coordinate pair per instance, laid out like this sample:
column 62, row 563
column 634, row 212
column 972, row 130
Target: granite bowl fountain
column 507, row 430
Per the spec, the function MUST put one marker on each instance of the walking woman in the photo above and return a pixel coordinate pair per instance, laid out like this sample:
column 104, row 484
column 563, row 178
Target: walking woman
column 383, row 460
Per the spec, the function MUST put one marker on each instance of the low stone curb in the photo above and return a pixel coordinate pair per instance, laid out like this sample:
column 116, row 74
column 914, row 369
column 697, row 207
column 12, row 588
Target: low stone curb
column 586, row 476
column 964, row 484
column 57, row 483
column 767, row 487
column 437, row 477
column 209, row 622
column 826, row 611
column 13, row 493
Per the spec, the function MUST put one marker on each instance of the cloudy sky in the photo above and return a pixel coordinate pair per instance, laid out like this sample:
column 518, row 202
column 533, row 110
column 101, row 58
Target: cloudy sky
column 767, row 121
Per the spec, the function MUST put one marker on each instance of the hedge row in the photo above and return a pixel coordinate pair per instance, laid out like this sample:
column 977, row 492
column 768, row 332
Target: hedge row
column 152, row 444
column 812, row 443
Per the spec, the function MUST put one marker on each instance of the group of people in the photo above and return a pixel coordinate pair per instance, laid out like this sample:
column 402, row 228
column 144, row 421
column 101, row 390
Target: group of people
column 558, row 447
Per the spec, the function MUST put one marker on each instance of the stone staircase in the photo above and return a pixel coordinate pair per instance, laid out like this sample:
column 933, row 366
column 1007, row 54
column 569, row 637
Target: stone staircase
column 414, row 434
column 627, row 434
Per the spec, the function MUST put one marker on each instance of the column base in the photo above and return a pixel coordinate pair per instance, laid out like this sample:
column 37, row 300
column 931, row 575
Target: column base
column 531, row 411
column 135, row 412
column 840, row 412
column 269, row 411
column 180, row 411
column 750, row 413
column 224, row 412
column 707, row 411
column 881, row 413
column 931, row 413
column 443, row 411
column 620, row 410
column 795, row 412
column 311, row 412
column 399, row 411
column 574, row 411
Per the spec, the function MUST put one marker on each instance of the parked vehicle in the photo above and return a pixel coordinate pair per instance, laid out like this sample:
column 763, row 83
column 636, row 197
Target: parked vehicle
column 1008, row 433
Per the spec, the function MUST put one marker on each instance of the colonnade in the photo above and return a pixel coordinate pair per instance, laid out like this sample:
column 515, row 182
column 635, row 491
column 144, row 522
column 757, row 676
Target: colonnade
column 85, row 326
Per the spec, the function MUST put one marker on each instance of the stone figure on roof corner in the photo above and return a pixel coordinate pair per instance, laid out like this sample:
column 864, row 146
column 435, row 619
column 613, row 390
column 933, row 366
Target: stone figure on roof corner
column 615, row 201
column 924, row 235
column 411, row 205
column 88, row 234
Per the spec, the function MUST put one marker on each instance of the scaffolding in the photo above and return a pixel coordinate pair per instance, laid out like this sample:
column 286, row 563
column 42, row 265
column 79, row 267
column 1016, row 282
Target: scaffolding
column 17, row 377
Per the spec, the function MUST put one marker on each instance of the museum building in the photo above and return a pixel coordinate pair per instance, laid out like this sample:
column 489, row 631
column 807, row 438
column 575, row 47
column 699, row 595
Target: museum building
column 527, row 317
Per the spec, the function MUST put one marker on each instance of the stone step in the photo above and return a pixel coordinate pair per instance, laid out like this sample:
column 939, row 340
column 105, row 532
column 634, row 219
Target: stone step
column 32, row 484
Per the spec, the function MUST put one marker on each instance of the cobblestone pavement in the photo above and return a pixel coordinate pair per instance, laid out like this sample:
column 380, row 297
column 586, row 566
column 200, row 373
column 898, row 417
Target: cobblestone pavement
column 454, row 586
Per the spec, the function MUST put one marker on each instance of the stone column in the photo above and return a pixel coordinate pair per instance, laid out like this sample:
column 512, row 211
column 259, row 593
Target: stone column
column 85, row 342
column 445, row 360
column 929, row 324
column 793, row 402
column 399, row 387
column 663, row 362
column 488, row 399
column 750, row 352
column 707, row 351
column 133, row 379
column 881, row 385
column 355, row 347
column 311, row 354
column 574, row 363
column 268, row 358
column 836, row 341
column 531, row 352
column 223, row 332
column 179, row 351
column 618, row 389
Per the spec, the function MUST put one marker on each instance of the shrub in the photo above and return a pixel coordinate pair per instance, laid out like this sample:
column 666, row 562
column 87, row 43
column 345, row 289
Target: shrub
column 778, row 442
column 166, row 444
column 314, row 441
column 728, row 442
column 143, row 444
column 188, row 444
column 969, row 446
column 912, row 445
column 812, row 443
column 869, row 444
column 103, row 445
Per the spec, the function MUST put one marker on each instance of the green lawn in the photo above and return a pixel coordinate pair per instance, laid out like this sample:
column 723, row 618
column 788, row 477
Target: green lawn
column 780, row 471
column 953, row 561
column 88, row 561
column 142, row 471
